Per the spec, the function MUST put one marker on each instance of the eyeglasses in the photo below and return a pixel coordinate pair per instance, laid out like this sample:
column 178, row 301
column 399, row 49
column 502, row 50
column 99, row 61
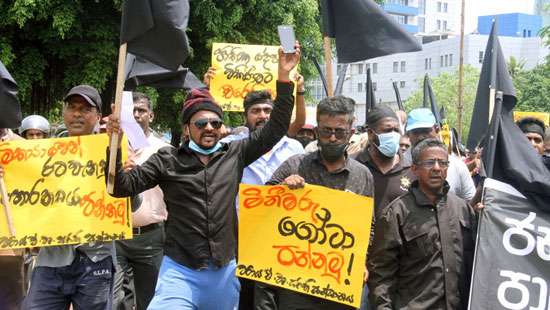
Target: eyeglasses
column 338, row 133
column 201, row 123
column 430, row 163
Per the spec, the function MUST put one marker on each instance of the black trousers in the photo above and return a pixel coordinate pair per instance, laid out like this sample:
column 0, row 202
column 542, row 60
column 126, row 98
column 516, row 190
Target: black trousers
column 138, row 265
column 12, row 286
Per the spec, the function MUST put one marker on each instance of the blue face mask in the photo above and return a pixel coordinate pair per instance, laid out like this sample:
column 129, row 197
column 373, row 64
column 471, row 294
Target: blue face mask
column 195, row 147
column 389, row 143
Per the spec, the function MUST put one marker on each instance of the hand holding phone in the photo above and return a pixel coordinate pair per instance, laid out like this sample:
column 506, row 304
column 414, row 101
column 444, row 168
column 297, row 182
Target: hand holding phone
column 287, row 38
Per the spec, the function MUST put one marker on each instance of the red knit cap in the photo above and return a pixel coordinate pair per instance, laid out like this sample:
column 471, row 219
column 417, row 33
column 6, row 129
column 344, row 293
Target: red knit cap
column 197, row 100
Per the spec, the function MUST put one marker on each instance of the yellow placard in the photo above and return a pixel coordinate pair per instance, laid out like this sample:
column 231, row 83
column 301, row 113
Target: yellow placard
column 57, row 193
column 241, row 69
column 445, row 133
column 313, row 240
column 543, row 116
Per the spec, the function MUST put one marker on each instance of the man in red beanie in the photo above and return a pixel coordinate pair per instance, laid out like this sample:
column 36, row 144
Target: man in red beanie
column 200, row 181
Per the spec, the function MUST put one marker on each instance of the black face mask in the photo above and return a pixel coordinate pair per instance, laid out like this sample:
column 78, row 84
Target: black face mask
column 332, row 152
column 304, row 140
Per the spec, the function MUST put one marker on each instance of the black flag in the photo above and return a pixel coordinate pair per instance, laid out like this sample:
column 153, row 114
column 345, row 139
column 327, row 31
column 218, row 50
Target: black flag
column 398, row 96
column 443, row 113
column 321, row 75
column 9, row 105
column 155, row 30
column 341, row 79
column 429, row 99
column 494, row 75
column 141, row 72
column 371, row 100
column 363, row 30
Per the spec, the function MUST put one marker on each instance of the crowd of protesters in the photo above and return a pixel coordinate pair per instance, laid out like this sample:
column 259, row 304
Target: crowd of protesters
column 185, row 204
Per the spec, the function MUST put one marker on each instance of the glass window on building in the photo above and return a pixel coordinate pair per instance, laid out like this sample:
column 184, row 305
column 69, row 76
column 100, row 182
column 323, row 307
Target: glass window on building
column 360, row 87
column 528, row 33
column 360, row 69
column 403, row 64
column 395, row 66
column 446, row 60
column 445, row 7
column 441, row 61
column 450, row 59
column 374, row 86
column 374, row 68
column 438, row 24
column 367, row 66
column 422, row 6
column 480, row 59
column 439, row 6
column 430, row 63
column 444, row 25
column 402, row 84
column 421, row 24
column 425, row 63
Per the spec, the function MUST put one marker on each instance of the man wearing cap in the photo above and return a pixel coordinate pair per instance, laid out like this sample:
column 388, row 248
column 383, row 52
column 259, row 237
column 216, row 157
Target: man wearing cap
column 534, row 129
column 421, row 124
column 34, row 127
column 392, row 175
column 306, row 135
column 80, row 274
column 139, row 258
column 258, row 106
column 200, row 181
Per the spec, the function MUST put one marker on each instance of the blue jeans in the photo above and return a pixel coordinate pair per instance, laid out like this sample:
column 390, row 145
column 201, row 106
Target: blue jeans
column 85, row 284
column 180, row 287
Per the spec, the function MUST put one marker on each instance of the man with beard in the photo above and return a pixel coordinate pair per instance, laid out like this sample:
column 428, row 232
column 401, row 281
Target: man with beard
column 258, row 106
column 392, row 175
column 331, row 167
column 533, row 129
column 422, row 253
column 200, row 181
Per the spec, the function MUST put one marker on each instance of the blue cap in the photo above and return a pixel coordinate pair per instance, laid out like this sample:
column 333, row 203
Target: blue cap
column 420, row 118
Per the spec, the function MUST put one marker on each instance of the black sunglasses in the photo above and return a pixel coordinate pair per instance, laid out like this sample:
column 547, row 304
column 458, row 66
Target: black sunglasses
column 201, row 123
column 338, row 133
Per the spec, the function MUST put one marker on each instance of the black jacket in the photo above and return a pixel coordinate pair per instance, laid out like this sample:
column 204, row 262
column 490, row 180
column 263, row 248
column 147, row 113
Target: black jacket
column 200, row 199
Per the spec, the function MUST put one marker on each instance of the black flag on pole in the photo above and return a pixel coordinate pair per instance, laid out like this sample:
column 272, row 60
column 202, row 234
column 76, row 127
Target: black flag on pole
column 429, row 99
column 9, row 105
column 494, row 74
column 363, row 30
column 142, row 72
column 341, row 78
column 370, row 99
column 155, row 30
column 398, row 96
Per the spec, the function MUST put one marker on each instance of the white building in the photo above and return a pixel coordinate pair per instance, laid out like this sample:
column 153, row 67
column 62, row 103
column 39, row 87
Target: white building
column 408, row 69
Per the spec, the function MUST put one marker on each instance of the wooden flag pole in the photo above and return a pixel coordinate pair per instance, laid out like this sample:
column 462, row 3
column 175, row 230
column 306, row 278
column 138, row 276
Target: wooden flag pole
column 114, row 143
column 460, row 106
column 328, row 65
column 7, row 208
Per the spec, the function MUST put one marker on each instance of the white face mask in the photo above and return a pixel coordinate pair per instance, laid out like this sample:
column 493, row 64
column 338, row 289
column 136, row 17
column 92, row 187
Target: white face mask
column 389, row 143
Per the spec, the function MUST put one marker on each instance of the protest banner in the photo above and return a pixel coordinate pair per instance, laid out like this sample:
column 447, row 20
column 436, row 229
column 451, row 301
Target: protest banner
column 312, row 240
column 57, row 193
column 512, row 252
column 241, row 69
column 543, row 116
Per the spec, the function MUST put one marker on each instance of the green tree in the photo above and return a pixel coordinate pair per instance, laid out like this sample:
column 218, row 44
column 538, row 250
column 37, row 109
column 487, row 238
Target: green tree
column 51, row 45
column 445, row 87
column 532, row 89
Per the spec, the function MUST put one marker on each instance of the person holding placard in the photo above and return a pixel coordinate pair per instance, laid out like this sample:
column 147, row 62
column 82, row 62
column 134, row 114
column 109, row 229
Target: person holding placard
column 200, row 181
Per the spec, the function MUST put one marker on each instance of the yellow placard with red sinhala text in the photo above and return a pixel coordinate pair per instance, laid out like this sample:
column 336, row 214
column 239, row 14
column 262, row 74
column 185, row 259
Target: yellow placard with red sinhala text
column 240, row 69
column 57, row 193
column 312, row 240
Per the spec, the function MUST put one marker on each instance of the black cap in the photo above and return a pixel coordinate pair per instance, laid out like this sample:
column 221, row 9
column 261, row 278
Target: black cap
column 87, row 92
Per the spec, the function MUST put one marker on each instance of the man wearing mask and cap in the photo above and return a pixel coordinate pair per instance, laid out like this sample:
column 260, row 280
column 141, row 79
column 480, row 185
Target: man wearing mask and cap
column 34, row 127
column 331, row 167
column 200, row 181
column 421, row 125
column 533, row 129
column 306, row 135
column 392, row 175
column 81, row 274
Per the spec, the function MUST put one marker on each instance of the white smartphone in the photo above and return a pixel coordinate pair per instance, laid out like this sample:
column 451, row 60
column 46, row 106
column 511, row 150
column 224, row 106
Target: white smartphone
column 287, row 37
